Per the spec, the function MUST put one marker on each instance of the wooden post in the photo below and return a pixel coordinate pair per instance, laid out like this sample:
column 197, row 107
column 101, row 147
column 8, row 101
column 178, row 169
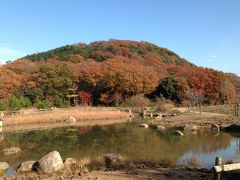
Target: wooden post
column 218, row 162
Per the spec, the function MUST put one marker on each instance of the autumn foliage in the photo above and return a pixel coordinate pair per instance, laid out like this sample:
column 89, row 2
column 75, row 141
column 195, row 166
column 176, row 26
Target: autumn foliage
column 111, row 72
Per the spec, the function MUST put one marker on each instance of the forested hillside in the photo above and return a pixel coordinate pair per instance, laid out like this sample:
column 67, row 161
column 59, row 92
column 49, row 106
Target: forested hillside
column 109, row 73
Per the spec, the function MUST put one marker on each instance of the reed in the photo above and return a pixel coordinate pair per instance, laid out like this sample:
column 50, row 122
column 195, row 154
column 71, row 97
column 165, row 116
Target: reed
column 60, row 115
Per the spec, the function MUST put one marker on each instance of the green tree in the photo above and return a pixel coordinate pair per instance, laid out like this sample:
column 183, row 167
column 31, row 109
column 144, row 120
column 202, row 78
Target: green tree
column 14, row 103
column 55, row 79
column 172, row 88
column 34, row 94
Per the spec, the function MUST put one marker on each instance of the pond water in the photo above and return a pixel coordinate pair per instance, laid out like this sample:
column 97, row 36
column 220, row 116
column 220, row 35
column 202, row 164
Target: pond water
column 127, row 139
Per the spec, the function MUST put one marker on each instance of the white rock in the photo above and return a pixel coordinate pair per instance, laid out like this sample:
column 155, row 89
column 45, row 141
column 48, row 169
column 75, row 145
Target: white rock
column 144, row 126
column 178, row 133
column 215, row 128
column 161, row 128
column 26, row 166
column 51, row 162
column 3, row 166
column 71, row 120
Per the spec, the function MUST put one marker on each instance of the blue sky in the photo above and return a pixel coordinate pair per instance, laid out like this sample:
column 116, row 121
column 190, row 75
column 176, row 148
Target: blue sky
column 206, row 32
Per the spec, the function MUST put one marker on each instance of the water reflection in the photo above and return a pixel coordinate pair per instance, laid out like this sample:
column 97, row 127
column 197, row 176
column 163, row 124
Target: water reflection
column 127, row 139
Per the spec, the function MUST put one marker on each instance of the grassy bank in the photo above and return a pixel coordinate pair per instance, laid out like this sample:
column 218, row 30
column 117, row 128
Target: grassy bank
column 60, row 115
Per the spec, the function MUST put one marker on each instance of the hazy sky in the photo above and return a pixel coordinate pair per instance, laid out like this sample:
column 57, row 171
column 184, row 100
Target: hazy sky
column 206, row 32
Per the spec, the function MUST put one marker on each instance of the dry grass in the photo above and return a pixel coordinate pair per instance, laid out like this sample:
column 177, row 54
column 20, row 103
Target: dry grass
column 60, row 115
column 221, row 109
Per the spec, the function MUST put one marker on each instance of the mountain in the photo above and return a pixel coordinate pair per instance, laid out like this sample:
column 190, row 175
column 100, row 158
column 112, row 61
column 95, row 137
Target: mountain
column 103, row 50
column 115, row 70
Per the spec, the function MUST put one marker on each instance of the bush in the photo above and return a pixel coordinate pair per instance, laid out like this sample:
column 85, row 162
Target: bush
column 45, row 104
column 61, row 103
column 3, row 106
column 25, row 102
column 14, row 103
column 136, row 101
column 163, row 105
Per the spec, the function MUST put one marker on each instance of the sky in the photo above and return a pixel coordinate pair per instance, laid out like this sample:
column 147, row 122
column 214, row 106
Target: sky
column 205, row 32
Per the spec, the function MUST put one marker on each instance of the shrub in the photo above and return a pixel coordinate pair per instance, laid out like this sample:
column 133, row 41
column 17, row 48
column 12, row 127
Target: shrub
column 14, row 103
column 136, row 101
column 45, row 104
column 61, row 103
column 163, row 104
column 3, row 106
column 25, row 102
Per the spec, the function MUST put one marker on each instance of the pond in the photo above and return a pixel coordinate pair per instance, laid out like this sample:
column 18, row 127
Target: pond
column 127, row 139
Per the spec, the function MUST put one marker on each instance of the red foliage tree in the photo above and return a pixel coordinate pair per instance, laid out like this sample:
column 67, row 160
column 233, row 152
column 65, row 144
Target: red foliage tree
column 85, row 98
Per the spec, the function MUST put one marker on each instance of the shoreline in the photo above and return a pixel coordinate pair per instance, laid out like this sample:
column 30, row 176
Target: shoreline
column 202, row 120
column 62, row 115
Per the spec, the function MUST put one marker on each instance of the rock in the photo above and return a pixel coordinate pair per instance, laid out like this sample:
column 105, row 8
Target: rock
column 51, row 162
column 10, row 172
column 26, row 166
column 144, row 126
column 113, row 160
column 69, row 162
column 71, row 120
column 215, row 128
column 3, row 166
column 161, row 128
column 189, row 128
column 232, row 128
column 178, row 133
column 12, row 150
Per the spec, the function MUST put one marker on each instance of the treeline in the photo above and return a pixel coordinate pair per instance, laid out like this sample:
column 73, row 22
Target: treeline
column 111, row 73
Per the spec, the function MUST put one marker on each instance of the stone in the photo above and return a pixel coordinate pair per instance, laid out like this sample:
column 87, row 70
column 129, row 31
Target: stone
column 189, row 128
column 71, row 120
column 144, row 126
column 178, row 133
column 232, row 128
column 26, row 166
column 113, row 160
column 10, row 172
column 12, row 150
column 69, row 162
column 51, row 162
column 161, row 128
column 3, row 166
column 215, row 128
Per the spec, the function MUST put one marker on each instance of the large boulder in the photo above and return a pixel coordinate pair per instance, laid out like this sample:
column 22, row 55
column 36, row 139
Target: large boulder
column 26, row 166
column 113, row 160
column 12, row 150
column 232, row 128
column 51, row 162
column 3, row 166
column 215, row 128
